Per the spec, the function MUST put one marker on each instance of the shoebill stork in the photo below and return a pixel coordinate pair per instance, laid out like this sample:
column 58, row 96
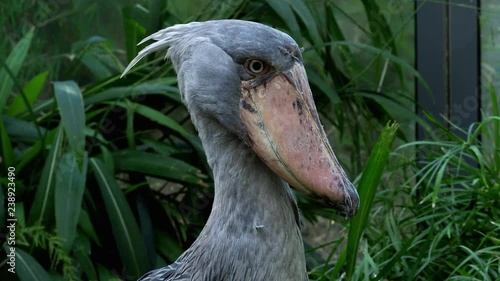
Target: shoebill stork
column 246, row 90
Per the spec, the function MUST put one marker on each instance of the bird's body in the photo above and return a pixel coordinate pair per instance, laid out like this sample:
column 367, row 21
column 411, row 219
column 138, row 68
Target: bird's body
column 243, row 83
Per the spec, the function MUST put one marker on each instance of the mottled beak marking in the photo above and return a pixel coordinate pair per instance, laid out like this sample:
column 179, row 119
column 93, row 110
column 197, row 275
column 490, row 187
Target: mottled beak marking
column 284, row 130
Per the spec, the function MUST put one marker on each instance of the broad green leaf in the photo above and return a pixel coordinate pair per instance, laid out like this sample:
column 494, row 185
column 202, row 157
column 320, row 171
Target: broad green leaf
column 391, row 105
column 367, row 188
column 336, row 33
column 156, row 116
column 134, row 32
column 156, row 7
column 22, row 131
column 32, row 90
column 29, row 154
column 70, row 103
column 97, row 94
column 161, row 148
column 70, row 185
column 107, row 158
column 14, row 62
column 167, row 245
column 96, row 55
column 84, row 45
column 308, row 20
column 151, row 87
column 283, row 9
column 438, row 179
column 127, row 235
column 158, row 165
column 27, row 268
column 95, row 65
column 43, row 204
column 329, row 91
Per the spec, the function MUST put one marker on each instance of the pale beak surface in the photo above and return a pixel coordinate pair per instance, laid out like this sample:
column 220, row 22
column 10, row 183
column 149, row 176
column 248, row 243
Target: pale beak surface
column 284, row 130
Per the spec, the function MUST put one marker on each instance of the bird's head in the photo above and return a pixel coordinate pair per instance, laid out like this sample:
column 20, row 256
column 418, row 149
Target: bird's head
column 251, row 79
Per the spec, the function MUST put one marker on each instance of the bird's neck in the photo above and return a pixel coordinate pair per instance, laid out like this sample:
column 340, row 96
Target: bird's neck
column 247, row 192
column 253, row 226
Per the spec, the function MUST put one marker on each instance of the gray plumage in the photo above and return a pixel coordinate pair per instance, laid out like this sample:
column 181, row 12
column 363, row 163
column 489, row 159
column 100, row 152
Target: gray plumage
column 253, row 230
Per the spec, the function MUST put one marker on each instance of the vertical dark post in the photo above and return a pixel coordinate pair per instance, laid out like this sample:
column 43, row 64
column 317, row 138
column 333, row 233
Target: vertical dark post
column 431, row 59
column 448, row 58
column 464, row 62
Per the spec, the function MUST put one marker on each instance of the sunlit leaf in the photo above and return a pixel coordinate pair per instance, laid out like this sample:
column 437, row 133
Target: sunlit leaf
column 367, row 188
column 32, row 90
column 70, row 185
column 70, row 103
column 14, row 62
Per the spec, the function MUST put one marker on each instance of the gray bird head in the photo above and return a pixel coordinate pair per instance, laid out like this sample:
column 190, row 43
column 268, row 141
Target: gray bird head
column 250, row 78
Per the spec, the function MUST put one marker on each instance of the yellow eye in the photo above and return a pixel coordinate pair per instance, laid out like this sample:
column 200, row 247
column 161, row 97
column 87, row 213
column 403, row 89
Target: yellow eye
column 256, row 67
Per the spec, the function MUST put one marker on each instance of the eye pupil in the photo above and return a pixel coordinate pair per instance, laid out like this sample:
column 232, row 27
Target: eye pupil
column 256, row 66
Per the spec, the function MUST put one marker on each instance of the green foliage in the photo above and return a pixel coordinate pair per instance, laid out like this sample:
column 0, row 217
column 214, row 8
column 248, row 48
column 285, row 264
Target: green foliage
column 441, row 221
column 12, row 66
column 112, row 181
column 367, row 188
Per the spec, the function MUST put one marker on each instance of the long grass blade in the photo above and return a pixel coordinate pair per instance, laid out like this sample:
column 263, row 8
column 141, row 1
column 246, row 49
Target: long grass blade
column 380, row 31
column 43, row 205
column 308, row 20
column 125, row 229
column 20, row 130
column 283, row 9
column 28, row 269
column 70, row 103
column 32, row 90
column 8, row 156
column 159, row 86
column 70, row 185
column 14, row 62
column 158, row 165
column 133, row 32
column 156, row 116
column 367, row 188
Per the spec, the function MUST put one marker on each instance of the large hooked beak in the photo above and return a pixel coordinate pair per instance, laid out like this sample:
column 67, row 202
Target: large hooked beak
column 284, row 130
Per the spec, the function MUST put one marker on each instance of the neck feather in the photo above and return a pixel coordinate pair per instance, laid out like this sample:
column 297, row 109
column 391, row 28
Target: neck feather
column 252, row 232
